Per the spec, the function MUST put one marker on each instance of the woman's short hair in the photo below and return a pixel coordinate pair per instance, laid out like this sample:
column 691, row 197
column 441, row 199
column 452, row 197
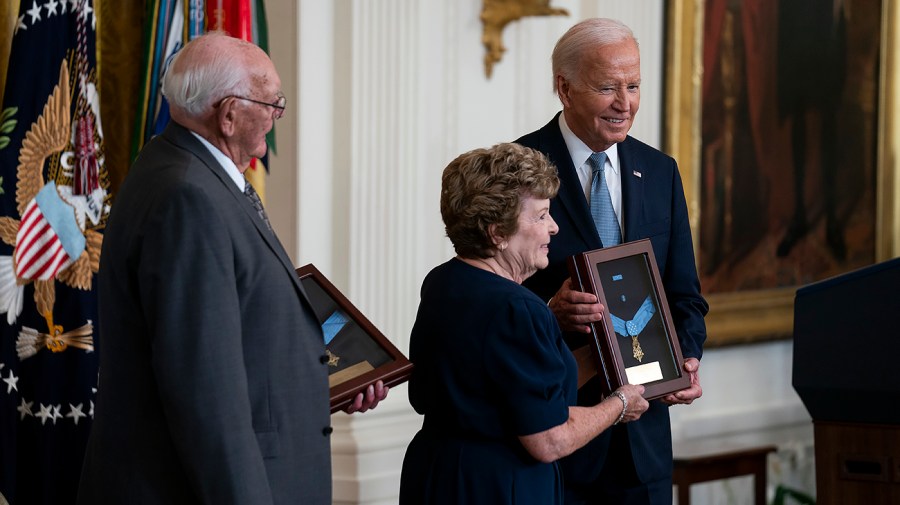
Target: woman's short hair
column 209, row 73
column 485, row 187
column 581, row 38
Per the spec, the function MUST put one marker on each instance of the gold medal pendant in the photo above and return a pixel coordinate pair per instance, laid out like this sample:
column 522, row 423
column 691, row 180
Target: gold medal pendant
column 636, row 347
column 634, row 327
column 332, row 358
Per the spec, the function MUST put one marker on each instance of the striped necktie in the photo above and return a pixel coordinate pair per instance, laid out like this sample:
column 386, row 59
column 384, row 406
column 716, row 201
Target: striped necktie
column 251, row 195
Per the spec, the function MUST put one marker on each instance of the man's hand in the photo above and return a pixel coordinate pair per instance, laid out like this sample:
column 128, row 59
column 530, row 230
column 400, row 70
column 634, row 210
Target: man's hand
column 369, row 400
column 688, row 395
column 574, row 310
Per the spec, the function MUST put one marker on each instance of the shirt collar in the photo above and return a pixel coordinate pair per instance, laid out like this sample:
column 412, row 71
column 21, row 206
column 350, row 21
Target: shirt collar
column 230, row 168
column 580, row 152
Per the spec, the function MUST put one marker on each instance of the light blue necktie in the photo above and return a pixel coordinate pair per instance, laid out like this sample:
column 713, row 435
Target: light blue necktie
column 601, row 203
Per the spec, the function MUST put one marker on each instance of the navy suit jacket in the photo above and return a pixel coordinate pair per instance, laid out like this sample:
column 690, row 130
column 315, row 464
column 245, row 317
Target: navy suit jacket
column 211, row 385
column 653, row 207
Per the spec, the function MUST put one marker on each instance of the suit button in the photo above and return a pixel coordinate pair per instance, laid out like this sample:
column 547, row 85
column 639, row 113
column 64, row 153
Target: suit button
column 327, row 430
column 323, row 359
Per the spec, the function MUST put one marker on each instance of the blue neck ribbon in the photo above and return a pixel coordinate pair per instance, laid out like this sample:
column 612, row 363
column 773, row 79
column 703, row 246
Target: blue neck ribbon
column 634, row 327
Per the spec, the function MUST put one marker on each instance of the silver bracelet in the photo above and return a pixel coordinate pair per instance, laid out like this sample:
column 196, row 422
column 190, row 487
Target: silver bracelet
column 624, row 405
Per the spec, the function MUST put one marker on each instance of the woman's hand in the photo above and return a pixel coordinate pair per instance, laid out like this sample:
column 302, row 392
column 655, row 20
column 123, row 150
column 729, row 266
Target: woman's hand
column 637, row 405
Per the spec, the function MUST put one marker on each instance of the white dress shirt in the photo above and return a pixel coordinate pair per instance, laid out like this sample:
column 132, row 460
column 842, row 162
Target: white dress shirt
column 580, row 152
column 230, row 168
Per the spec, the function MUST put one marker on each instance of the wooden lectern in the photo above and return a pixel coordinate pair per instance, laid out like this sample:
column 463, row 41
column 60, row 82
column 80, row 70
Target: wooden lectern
column 847, row 372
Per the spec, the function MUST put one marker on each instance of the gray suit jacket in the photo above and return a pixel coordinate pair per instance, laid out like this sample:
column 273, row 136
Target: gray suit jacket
column 212, row 388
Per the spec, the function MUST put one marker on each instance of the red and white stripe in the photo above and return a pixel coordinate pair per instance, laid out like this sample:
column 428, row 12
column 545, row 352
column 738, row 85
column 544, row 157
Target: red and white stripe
column 39, row 252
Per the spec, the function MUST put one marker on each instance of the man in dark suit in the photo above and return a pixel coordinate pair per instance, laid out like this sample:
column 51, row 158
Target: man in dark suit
column 596, row 69
column 213, row 383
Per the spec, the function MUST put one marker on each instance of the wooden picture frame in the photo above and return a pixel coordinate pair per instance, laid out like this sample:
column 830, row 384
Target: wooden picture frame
column 745, row 314
column 358, row 353
column 636, row 342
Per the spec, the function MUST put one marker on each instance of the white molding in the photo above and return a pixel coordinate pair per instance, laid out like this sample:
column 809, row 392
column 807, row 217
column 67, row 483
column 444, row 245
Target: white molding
column 367, row 450
column 749, row 419
column 316, row 110
column 385, row 163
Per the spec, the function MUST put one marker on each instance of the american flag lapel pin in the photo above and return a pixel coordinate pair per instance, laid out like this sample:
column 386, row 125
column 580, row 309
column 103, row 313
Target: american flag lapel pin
column 636, row 173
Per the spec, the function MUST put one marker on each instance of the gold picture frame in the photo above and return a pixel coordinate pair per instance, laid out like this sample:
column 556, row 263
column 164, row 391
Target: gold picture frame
column 766, row 314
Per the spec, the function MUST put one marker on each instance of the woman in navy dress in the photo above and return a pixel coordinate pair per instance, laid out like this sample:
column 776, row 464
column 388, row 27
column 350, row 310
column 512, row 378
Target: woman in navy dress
column 493, row 377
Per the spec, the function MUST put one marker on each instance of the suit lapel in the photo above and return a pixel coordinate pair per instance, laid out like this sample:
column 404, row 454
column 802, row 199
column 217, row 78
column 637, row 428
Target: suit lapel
column 183, row 137
column 632, row 188
column 571, row 197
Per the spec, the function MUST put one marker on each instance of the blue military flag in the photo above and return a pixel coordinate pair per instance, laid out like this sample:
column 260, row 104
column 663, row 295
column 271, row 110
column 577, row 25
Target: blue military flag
column 54, row 202
column 170, row 24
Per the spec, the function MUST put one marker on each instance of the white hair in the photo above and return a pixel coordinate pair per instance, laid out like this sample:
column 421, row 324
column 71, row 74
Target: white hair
column 585, row 35
column 197, row 84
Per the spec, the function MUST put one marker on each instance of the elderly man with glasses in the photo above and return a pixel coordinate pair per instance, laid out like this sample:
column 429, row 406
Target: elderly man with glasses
column 213, row 387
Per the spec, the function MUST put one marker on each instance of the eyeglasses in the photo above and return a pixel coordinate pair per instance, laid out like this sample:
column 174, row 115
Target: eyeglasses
column 279, row 104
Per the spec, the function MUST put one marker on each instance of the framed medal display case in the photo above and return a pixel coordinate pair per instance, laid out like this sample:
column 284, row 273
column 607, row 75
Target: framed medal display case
column 357, row 353
column 636, row 341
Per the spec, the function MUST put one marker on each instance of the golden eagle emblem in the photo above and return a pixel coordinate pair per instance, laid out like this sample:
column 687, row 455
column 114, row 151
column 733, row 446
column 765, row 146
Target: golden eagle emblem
column 55, row 238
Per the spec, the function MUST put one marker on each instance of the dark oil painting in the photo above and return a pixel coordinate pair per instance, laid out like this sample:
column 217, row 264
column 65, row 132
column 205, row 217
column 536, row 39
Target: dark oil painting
column 789, row 135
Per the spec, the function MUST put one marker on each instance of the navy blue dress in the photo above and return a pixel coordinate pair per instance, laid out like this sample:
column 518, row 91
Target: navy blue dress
column 491, row 366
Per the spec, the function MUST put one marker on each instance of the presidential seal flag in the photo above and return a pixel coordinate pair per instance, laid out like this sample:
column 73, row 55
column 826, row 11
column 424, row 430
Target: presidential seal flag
column 54, row 202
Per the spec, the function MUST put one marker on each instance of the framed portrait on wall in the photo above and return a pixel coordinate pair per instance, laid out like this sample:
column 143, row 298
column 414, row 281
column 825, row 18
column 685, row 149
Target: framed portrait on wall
column 635, row 343
column 357, row 353
column 778, row 113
